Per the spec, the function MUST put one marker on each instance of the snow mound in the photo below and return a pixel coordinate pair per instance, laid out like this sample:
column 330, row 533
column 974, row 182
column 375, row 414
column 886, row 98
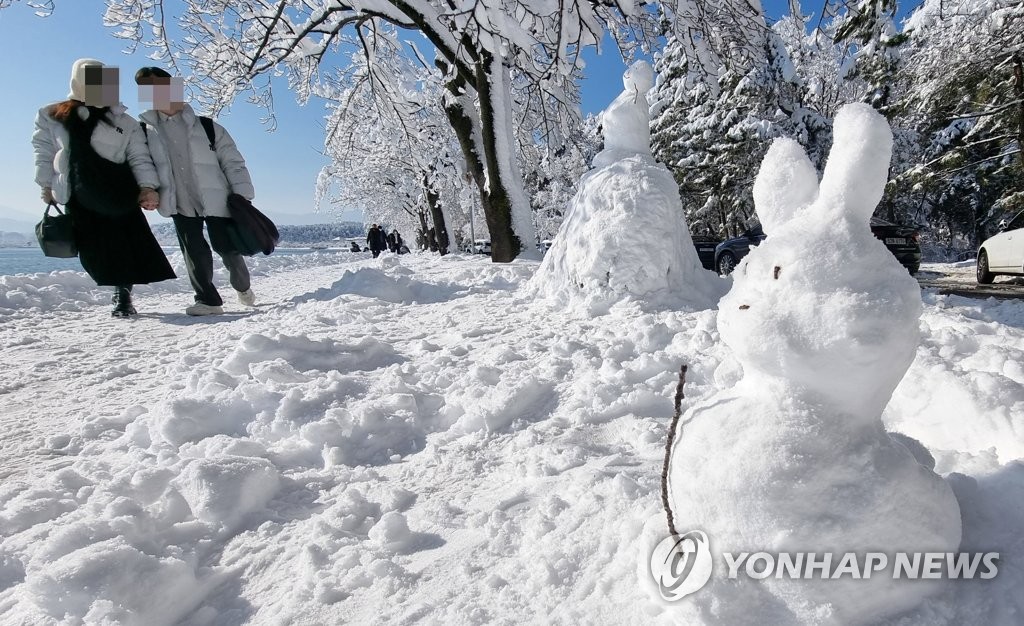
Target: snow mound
column 57, row 291
column 75, row 291
column 224, row 490
column 970, row 365
column 302, row 354
column 111, row 582
column 625, row 235
column 795, row 458
column 374, row 283
column 392, row 283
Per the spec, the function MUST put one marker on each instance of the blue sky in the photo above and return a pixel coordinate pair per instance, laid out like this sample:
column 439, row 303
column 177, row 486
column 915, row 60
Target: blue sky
column 38, row 53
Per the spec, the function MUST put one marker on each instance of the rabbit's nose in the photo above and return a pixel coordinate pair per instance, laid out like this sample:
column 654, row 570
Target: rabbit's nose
column 744, row 307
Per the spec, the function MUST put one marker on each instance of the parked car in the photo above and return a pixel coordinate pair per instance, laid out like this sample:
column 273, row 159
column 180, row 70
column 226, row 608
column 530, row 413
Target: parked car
column 904, row 242
column 705, row 246
column 482, row 246
column 729, row 252
column 1003, row 253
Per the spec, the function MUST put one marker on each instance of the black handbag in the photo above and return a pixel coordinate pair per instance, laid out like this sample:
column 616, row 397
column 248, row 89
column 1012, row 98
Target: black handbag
column 55, row 234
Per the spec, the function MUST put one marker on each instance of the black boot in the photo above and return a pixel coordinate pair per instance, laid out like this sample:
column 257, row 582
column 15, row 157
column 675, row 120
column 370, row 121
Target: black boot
column 123, row 302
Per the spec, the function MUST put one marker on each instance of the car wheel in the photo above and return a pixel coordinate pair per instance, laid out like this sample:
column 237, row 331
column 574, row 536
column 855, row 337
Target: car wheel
column 726, row 263
column 984, row 276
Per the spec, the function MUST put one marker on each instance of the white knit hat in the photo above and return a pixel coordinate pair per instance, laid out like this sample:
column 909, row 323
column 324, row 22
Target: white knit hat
column 78, row 77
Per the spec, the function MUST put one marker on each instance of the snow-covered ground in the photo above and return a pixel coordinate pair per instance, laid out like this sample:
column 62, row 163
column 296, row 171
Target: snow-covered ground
column 410, row 439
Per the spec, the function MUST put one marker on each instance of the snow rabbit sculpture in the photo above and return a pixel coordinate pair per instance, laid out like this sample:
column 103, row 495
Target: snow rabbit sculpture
column 794, row 458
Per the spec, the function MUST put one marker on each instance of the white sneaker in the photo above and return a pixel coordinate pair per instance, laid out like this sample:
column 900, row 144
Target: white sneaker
column 247, row 297
column 203, row 309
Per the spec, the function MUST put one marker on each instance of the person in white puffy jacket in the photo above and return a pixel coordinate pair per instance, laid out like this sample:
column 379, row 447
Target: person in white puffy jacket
column 91, row 156
column 197, row 172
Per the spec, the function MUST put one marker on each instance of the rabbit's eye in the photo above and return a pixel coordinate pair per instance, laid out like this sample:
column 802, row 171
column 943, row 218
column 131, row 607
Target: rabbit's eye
column 776, row 272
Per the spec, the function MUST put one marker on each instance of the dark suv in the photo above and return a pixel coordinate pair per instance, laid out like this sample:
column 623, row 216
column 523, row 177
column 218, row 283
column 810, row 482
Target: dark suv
column 729, row 252
column 903, row 241
column 705, row 245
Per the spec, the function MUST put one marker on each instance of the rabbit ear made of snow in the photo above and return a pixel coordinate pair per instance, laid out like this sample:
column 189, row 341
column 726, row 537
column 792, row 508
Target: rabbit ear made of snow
column 858, row 165
column 786, row 183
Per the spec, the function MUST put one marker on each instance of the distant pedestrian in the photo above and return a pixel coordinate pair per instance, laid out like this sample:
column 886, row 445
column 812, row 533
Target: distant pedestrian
column 376, row 240
column 91, row 156
column 395, row 242
column 199, row 167
column 354, row 247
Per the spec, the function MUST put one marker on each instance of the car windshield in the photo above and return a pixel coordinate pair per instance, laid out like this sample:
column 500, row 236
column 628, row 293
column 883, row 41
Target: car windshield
column 1016, row 222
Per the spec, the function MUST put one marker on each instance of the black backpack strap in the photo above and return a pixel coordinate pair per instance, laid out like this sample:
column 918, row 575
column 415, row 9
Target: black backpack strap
column 208, row 127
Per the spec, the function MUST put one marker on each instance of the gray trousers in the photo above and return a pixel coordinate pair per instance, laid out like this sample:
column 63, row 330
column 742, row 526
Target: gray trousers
column 199, row 258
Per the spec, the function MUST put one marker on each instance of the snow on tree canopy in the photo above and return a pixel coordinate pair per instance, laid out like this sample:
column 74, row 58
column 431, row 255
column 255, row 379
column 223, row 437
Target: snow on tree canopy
column 795, row 458
column 625, row 235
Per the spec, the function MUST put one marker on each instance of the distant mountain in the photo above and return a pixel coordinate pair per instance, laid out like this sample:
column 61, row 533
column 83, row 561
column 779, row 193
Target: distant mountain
column 319, row 233
column 291, row 236
column 16, row 240
column 301, row 219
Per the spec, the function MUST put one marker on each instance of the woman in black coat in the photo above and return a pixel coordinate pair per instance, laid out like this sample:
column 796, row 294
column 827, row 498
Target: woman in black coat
column 377, row 240
column 92, row 156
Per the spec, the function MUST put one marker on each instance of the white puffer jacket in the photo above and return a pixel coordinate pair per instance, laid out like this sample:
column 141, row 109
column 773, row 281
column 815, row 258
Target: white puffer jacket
column 217, row 172
column 123, row 141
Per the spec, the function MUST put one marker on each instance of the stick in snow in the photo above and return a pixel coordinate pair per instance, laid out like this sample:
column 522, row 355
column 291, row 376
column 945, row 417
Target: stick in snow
column 668, row 449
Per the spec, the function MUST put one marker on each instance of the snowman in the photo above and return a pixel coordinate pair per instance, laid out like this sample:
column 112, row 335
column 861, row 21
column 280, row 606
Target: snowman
column 626, row 123
column 625, row 234
column 794, row 458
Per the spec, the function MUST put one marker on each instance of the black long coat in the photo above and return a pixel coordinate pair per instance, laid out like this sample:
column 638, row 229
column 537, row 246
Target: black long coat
column 377, row 239
column 118, row 251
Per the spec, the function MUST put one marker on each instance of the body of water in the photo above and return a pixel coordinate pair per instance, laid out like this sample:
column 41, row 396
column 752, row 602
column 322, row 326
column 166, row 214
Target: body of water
column 32, row 261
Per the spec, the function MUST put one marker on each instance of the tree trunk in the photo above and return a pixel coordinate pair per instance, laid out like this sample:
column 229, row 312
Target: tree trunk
column 463, row 125
column 422, row 241
column 434, row 204
column 1018, row 91
column 505, row 245
column 494, row 198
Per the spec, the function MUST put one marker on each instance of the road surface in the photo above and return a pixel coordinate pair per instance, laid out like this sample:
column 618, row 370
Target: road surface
column 960, row 280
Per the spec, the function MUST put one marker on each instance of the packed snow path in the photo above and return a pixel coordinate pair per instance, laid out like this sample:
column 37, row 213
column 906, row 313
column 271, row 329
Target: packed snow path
column 406, row 439
column 959, row 279
column 75, row 362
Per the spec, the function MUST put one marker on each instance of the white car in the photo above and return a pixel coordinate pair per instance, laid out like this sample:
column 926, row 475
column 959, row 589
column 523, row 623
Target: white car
column 1003, row 253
